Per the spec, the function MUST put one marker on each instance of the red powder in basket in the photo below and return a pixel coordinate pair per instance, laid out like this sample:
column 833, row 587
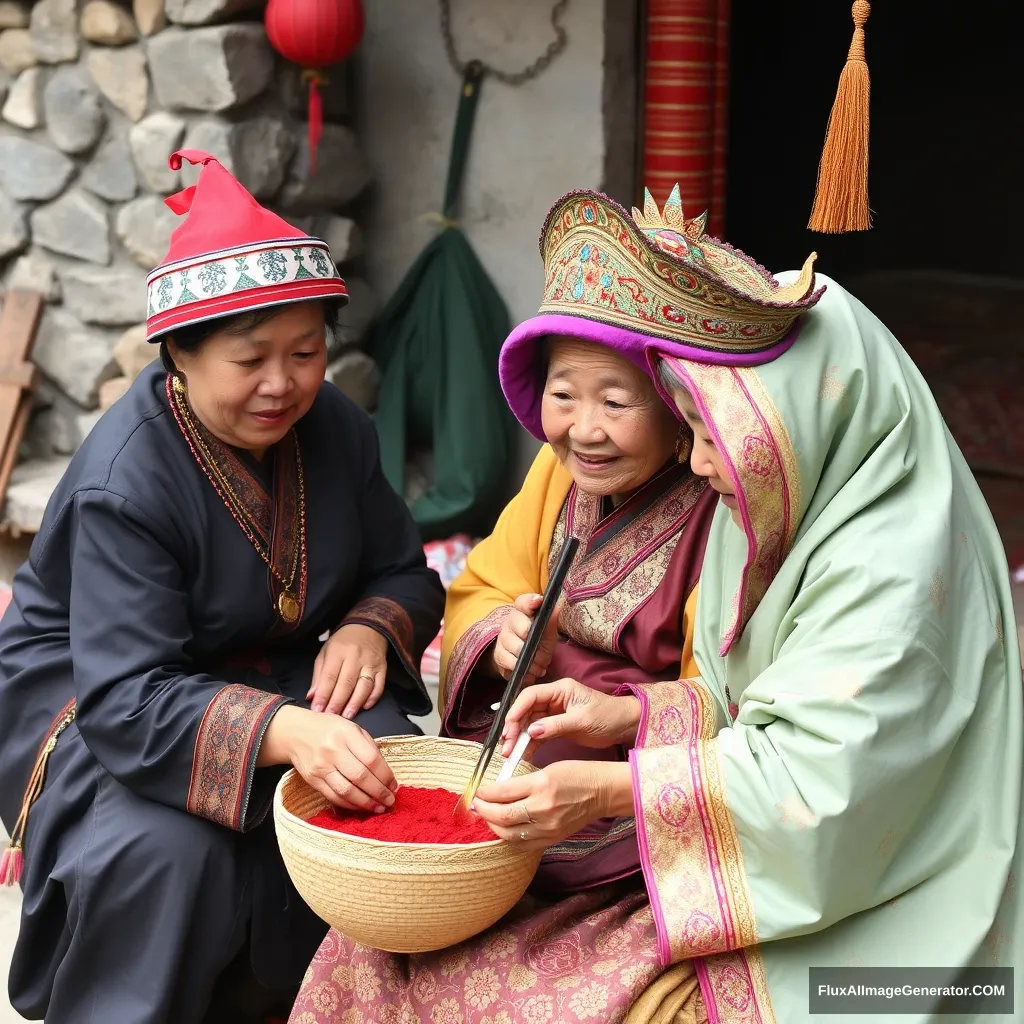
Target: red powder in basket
column 418, row 815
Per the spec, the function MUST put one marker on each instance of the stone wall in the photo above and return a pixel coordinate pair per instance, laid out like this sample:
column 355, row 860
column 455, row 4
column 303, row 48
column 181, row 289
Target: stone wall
column 94, row 96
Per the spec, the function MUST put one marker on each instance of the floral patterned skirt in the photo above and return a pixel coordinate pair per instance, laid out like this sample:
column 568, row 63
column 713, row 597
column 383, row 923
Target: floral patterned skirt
column 583, row 960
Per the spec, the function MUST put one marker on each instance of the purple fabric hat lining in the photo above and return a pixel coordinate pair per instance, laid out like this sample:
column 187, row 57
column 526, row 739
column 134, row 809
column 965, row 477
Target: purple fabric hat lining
column 522, row 376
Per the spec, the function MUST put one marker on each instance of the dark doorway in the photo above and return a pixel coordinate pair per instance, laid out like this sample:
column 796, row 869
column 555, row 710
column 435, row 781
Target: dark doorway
column 947, row 104
column 944, row 265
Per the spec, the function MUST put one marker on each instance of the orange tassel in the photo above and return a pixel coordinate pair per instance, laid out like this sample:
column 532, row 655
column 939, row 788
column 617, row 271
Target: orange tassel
column 13, row 859
column 841, row 197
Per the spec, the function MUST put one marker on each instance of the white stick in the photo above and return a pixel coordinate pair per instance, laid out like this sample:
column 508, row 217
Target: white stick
column 509, row 767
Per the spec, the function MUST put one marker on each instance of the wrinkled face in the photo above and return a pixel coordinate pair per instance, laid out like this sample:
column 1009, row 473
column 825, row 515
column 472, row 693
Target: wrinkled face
column 604, row 419
column 250, row 388
column 705, row 459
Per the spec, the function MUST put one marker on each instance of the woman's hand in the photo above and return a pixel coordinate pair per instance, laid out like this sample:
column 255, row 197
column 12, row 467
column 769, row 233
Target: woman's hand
column 336, row 757
column 513, row 636
column 548, row 806
column 569, row 710
column 349, row 672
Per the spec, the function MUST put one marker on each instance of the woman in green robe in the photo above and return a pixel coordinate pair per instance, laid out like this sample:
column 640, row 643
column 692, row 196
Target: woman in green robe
column 841, row 785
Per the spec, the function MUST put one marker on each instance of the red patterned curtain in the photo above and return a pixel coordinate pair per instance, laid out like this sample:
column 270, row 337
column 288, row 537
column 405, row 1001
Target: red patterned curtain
column 686, row 109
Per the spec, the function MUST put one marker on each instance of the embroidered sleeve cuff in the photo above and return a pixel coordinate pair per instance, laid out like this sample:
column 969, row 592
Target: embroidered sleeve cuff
column 462, row 663
column 665, row 717
column 393, row 622
column 224, row 763
column 689, row 849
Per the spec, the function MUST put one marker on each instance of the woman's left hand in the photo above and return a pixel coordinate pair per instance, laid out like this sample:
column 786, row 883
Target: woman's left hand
column 545, row 807
column 349, row 672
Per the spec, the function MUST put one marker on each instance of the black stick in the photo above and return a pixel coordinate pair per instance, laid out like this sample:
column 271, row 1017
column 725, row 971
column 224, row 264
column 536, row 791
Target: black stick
column 523, row 665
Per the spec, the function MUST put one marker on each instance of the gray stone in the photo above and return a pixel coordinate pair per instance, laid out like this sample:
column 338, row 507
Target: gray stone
column 205, row 12
column 211, row 69
column 35, row 273
column 356, row 375
column 13, row 227
column 77, row 358
column 107, row 23
column 31, row 171
column 57, row 428
column 152, row 141
column 13, row 15
column 263, row 149
column 342, row 172
column 150, row 16
column 86, row 421
column 111, row 172
column 356, row 317
column 74, row 114
column 211, row 135
column 74, row 225
column 343, row 236
column 121, row 76
column 17, row 51
column 133, row 353
column 54, row 29
column 257, row 152
column 29, row 491
column 109, row 296
column 334, row 93
column 144, row 226
column 22, row 105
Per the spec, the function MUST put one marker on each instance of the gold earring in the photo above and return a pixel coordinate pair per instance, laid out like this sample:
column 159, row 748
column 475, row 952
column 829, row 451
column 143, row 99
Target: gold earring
column 683, row 445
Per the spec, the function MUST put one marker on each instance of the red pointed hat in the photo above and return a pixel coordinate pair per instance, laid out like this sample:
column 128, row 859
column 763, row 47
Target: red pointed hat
column 230, row 255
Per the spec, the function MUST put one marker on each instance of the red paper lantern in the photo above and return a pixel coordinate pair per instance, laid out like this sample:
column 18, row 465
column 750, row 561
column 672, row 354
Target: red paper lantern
column 313, row 34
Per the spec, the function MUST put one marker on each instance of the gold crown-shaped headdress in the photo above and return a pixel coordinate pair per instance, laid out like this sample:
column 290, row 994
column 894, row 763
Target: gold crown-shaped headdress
column 659, row 274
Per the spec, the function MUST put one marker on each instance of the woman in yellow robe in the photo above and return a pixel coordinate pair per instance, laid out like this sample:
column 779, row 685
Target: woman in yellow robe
column 582, row 946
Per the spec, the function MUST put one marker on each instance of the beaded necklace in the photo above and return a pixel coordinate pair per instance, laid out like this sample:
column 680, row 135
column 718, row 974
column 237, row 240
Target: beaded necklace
column 287, row 605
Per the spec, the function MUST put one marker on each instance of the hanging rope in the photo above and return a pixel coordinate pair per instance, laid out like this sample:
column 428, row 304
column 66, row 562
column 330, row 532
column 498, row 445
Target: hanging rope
column 508, row 78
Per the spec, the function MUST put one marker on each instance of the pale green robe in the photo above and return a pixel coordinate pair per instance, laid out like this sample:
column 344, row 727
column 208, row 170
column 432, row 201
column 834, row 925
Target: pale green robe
column 864, row 807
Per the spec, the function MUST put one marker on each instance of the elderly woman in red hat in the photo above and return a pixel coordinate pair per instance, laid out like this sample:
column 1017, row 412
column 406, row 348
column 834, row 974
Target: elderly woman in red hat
column 162, row 656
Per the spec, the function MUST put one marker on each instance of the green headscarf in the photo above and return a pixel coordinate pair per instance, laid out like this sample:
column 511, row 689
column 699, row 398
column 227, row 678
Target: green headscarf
column 860, row 627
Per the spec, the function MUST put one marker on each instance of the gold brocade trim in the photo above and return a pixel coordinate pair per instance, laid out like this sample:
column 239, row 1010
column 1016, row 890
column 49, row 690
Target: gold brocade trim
column 752, row 439
column 659, row 274
column 689, row 848
column 667, row 719
column 606, row 588
column 735, row 987
column 227, row 745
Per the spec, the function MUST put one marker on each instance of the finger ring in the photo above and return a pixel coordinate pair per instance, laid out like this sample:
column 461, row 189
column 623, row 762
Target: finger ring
column 522, row 835
column 367, row 677
column 529, row 816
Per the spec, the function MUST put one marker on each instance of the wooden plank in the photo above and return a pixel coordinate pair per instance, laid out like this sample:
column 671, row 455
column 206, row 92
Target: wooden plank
column 18, row 376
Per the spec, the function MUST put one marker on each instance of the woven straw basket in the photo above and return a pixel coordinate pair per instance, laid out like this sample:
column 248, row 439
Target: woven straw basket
column 402, row 897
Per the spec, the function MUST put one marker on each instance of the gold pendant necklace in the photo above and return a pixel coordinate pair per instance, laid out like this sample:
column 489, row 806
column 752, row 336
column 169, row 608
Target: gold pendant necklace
column 288, row 607
column 287, row 604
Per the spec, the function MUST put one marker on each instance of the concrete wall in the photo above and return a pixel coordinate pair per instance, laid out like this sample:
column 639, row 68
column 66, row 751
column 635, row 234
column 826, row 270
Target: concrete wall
column 531, row 144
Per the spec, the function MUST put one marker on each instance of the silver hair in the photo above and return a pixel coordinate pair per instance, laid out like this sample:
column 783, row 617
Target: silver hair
column 668, row 379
